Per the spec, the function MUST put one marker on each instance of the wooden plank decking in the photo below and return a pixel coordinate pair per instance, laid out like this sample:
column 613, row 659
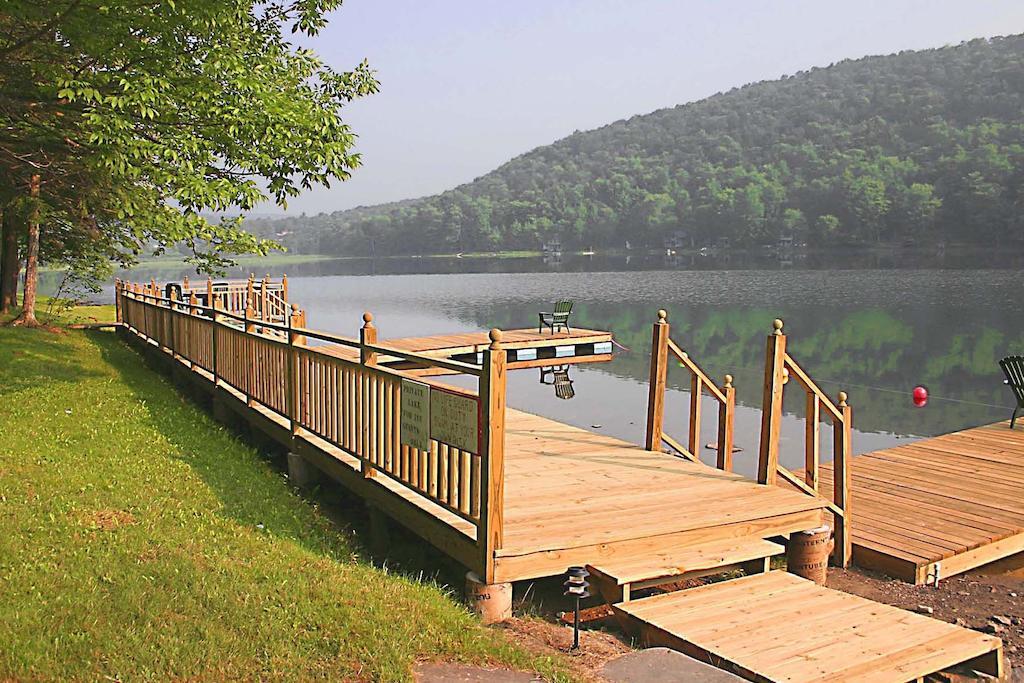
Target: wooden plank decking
column 939, row 506
column 472, row 342
column 576, row 497
column 778, row 627
column 526, row 348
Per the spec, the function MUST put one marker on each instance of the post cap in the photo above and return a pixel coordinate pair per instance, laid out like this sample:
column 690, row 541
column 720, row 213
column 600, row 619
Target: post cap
column 295, row 308
column 367, row 319
column 842, row 399
column 662, row 315
column 777, row 326
column 728, row 381
column 495, row 337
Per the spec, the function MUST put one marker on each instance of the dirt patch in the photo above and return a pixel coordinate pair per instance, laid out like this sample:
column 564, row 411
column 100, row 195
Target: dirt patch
column 597, row 647
column 988, row 602
column 108, row 520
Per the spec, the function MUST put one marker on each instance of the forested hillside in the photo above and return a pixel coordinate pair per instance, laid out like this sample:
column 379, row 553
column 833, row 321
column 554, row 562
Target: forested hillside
column 925, row 146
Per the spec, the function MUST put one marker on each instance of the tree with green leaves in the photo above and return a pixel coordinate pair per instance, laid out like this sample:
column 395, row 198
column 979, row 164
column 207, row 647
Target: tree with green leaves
column 141, row 118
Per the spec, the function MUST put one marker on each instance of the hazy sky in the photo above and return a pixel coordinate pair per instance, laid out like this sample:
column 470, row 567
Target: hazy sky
column 468, row 84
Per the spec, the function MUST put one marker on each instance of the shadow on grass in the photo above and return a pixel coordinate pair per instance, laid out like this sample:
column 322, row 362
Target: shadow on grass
column 245, row 469
column 34, row 357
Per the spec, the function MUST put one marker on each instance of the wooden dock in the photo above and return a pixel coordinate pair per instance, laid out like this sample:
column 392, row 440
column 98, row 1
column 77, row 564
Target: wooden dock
column 524, row 348
column 937, row 507
column 514, row 496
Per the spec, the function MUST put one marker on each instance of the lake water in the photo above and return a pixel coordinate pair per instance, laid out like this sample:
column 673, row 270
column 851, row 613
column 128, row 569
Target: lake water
column 874, row 325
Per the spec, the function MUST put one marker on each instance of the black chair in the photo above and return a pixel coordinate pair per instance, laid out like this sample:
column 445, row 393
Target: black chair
column 556, row 318
column 1013, row 368
column 560, row 380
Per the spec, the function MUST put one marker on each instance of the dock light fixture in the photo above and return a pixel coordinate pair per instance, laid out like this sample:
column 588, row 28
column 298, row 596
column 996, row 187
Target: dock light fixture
column 576, row 587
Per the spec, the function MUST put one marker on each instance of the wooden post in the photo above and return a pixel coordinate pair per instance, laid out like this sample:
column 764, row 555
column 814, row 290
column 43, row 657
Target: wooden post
column 812, row 441
column 696, row 392
column 209, row 295
column 292, row 376
column 284, row 288
column 298, row 322
column 656, row 390
column 250, row 369
column 184, row 287
column 172, row 299
column 250, row 296
column 264, row 302
column 118, row 289
column 213, row 342
column 492, row 453
column 367, row 335
column 841, row 483
column 771, row 405
column 726, row 417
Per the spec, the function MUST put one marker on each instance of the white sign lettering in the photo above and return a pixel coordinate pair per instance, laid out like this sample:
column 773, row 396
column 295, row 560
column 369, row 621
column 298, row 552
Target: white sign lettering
column 454, row 420
column 415, row 417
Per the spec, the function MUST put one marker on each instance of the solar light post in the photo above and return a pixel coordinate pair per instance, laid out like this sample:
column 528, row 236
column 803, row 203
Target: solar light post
column 576, row 587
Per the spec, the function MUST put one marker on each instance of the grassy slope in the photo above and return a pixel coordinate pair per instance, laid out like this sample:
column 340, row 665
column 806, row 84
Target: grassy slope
column 139, row 539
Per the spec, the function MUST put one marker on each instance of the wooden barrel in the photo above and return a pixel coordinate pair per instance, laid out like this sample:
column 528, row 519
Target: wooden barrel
column 492, row 603
column 807, row 553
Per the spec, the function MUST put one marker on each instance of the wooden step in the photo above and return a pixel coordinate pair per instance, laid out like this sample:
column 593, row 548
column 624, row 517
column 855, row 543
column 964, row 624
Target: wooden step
column 617, row 577
column 780, row 627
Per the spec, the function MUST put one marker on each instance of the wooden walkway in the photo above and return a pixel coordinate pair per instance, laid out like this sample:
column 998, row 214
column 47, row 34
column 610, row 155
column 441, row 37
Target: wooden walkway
column 940, row 506
column 778, row 627
column 515, row 496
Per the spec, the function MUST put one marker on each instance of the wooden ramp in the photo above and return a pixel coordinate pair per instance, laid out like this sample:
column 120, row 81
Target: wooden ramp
column 779, row 627
column 940, row 506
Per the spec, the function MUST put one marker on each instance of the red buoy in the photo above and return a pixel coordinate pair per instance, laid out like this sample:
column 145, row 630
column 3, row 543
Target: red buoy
column 920, row 396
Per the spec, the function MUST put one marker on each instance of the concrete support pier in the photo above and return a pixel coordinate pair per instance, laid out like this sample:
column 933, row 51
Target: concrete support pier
column 491, row 602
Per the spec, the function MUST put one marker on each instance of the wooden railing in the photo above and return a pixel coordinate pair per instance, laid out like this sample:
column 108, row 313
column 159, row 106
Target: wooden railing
column 264, row 299
column 661, row 346
column 780, row 368
column 347, row 399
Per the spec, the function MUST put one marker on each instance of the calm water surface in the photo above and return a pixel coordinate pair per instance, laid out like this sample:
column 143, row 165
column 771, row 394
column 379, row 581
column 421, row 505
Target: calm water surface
column 869, row 328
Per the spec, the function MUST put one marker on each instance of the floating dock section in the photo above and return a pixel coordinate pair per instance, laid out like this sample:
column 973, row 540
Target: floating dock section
column 941, row 506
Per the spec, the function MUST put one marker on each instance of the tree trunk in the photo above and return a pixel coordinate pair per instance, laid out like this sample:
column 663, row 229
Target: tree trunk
column 10, row 266
column 28, row 306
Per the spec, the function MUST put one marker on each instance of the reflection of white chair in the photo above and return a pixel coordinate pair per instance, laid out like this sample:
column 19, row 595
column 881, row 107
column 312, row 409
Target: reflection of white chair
column 559, row 378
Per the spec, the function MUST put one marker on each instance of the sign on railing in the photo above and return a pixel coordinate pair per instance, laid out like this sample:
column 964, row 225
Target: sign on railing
column 415, row 421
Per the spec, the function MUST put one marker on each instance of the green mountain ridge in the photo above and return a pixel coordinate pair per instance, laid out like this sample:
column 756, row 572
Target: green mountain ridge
column 920, row 146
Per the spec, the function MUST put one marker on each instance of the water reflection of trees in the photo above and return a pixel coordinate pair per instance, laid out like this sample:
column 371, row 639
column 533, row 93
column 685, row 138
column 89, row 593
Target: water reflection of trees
column 878, row 356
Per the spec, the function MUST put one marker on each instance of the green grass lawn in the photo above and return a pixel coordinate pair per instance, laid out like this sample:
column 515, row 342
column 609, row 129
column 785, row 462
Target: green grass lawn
column 140, row 540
